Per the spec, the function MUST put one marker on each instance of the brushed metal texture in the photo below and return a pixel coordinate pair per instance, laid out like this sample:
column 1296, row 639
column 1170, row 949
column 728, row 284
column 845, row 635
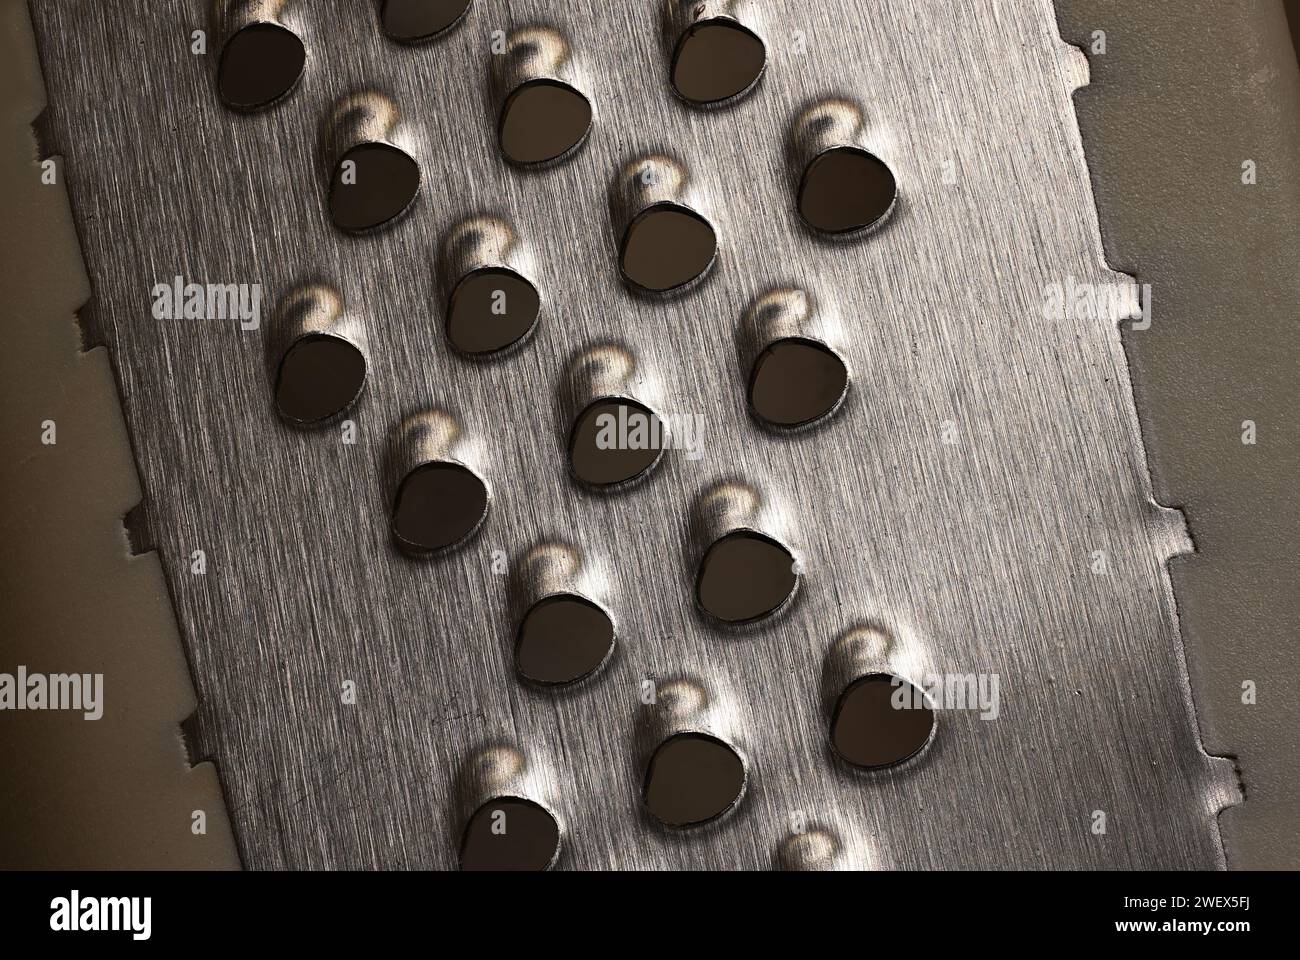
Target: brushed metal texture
column 974, row 557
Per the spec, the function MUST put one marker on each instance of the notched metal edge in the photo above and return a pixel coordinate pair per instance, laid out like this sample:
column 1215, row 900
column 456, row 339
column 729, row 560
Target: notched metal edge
column 135, row 524
column 1226, row 787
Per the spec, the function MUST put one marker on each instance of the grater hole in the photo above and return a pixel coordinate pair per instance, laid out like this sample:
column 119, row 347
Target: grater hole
column 745, row 576
column 491, row 309
column 319, row 377
column 868, row 730
column 563, row 639
column 717, row 60
column 373, row 184
column 413, row 20
column 542, row 121
column 796, row 381
column 438, row 505
column 510, row 833
column 667, row 246
column 693, row 778
column 614, row 442
column 259, row 64
column 846, row 189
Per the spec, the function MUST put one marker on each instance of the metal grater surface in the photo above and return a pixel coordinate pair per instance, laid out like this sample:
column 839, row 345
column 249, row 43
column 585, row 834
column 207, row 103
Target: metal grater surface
column 951, row 510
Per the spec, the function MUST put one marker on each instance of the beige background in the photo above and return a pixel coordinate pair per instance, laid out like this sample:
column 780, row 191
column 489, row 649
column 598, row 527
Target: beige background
column 1187, row 91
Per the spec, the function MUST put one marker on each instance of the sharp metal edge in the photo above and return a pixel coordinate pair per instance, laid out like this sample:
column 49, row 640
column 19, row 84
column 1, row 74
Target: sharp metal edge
column 975, row 556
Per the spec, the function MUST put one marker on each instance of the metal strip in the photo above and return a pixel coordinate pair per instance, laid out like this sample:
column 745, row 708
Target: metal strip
column 977, row 555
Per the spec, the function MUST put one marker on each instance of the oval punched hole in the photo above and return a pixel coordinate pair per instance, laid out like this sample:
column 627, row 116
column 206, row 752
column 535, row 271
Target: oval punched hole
column 717, row 60
column 796, row 381
column 615, row 441
column 411, row 21
column 543, row 120
column 373, row 184
column 881, row 720
column 510, row 833
column 563, row 639
column 259, row 64
column 667, row 246
column 491, row 309
column 745, row 576
column 319, row 377
column 437, row 506
column 693, row 778
column 845, row 189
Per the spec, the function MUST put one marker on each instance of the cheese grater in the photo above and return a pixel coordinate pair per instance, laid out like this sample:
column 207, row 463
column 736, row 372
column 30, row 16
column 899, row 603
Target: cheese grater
column 970, row 512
